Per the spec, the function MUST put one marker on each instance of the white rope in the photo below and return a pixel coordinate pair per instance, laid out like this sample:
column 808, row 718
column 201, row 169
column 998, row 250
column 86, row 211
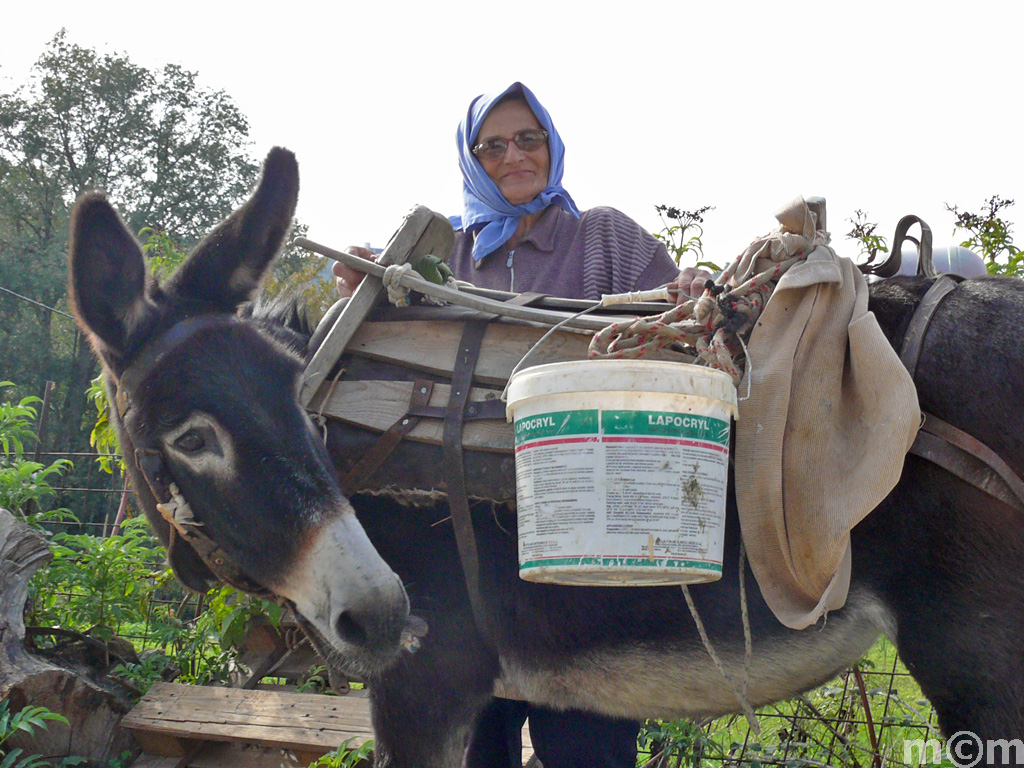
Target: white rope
column 397, row 293
column 748, row 711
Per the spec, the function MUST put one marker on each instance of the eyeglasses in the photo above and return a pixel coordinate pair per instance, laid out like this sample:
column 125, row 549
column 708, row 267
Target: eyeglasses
column 527, row 141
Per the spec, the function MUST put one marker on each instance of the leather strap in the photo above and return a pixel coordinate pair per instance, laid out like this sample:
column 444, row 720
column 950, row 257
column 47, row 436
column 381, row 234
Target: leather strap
column 475, row 411
column 940, row 442
column 913, row 341
column 527, row 299
column 372, row 460
column 451, row 451
column 969, row 459
column 175, row 510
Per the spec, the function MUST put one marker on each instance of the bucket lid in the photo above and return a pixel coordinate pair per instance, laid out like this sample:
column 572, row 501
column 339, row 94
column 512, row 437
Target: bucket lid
column 621, row 376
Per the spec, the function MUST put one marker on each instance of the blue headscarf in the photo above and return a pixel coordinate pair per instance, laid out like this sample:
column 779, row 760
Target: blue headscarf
column 484, row 207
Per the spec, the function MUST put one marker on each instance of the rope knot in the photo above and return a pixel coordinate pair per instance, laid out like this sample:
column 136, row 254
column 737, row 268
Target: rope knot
column 397, row 294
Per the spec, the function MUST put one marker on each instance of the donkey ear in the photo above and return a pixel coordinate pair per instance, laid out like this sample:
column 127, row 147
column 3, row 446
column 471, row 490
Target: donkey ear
column 226, row 268
column 106, row 273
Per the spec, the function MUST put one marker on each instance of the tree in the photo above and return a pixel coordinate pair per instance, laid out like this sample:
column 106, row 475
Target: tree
column 175, row 157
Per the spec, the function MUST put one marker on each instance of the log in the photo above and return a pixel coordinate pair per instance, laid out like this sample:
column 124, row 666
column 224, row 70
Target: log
column 94, row 714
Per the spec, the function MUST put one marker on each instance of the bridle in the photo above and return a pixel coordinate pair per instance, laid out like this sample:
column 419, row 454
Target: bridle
column 151, row 462
column 938, row 441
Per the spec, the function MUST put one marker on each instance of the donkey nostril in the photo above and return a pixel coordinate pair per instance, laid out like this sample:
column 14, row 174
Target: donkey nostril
column 349, row 629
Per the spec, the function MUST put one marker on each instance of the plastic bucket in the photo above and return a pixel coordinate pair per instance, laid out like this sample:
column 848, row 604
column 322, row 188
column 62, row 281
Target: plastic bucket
column 621, row 471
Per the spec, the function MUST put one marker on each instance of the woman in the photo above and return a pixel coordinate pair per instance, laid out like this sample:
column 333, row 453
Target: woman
column 520, row 231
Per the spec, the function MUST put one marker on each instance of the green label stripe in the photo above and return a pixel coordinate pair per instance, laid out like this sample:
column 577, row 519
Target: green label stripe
column 556, row 424
column 622, row 562
column 693, row 426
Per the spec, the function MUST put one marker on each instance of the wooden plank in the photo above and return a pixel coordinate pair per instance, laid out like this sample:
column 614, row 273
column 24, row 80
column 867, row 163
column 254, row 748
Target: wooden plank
column 283, row 720
column 422, row 232
column 377, row 405
column 432, row 347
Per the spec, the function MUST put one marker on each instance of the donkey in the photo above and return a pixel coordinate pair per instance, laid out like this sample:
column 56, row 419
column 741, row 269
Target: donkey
column 208, row 408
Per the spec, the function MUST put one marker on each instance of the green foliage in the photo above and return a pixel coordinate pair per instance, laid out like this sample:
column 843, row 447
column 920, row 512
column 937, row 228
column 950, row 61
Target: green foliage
column 141, row 676
column 26, row 721
column 990, row 235
column 232, row 613
column 300, row 271
column 172, row 154
column 164, row 254
column 97, row 584
column 864, row 233
column 682, row 235
column 103, row 436
column 24, row 484
column 346, row 756
column 826, row 726
column 206, row 648
column 16, row 421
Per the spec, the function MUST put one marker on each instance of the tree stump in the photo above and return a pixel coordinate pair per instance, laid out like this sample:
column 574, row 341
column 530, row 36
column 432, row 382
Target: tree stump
column 93, row 714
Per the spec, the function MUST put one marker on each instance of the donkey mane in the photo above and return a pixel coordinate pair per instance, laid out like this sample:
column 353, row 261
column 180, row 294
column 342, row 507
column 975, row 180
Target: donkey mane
column 284, row 317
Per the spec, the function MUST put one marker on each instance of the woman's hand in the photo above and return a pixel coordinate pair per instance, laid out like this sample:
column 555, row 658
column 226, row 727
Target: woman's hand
column 690, row 283
column 348, row 278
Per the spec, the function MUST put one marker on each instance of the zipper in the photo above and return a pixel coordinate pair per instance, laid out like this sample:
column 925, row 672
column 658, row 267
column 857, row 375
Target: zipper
column 511, row 271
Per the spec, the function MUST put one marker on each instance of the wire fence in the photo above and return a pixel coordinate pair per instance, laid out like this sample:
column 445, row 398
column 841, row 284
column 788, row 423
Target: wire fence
column 865, row 718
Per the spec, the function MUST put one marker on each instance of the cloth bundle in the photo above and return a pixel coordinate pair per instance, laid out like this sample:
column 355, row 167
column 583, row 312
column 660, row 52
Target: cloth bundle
column 821, row 440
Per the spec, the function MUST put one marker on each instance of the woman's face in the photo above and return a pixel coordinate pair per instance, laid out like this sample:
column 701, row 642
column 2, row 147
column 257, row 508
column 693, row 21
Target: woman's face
column 520, row 176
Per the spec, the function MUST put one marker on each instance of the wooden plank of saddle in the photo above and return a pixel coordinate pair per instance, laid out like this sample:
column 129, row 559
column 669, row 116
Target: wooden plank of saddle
column 423, row 232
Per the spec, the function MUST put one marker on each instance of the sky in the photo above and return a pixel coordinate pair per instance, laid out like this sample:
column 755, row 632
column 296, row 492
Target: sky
column 889, row 107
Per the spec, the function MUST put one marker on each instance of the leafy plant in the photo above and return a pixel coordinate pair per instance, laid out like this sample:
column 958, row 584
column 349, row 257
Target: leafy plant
column 682, row 234
column 864, row 233
column 16, row 424
column 206, row 648
column 24, row 484
column 164, row 254
column 990, row 235
column 141, row 676
column 26, row 721
column 103, row 436
column 97, row 584
column 346, row 756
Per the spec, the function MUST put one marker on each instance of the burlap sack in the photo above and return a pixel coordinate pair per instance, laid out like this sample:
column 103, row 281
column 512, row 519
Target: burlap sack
column 821, row 439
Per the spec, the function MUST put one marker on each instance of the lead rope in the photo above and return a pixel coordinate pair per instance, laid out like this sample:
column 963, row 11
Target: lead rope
column 739, row 692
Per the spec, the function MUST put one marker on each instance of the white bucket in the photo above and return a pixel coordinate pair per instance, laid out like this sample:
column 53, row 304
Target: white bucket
column 621, row 471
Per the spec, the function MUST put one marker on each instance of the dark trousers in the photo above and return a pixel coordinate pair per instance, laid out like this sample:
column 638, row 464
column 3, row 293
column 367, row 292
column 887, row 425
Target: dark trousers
column 560, row 739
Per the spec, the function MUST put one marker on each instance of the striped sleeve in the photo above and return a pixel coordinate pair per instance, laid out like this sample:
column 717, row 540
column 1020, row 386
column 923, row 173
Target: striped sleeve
column 617, row 252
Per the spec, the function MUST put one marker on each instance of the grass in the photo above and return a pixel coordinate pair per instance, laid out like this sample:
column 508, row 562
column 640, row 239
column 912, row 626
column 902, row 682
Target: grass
column 825, row 727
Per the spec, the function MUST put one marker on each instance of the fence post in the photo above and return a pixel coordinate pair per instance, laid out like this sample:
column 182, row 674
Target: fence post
column 44, row 411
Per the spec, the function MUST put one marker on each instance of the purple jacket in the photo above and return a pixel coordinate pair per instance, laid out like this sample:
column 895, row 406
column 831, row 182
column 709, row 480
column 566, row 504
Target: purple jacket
column 604, row 251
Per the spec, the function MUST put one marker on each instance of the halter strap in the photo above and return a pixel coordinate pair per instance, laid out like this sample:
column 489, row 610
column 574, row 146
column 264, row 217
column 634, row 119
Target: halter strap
column 170, row 503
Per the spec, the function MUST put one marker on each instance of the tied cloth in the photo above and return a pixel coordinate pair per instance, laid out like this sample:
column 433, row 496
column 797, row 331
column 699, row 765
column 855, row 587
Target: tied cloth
column 832, row 412
column 486, row 212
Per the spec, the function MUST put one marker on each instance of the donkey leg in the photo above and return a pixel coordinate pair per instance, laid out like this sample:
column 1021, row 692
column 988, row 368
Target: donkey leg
column 957, row 590
column 424, row 723
column 967, row 656
column 423, row 708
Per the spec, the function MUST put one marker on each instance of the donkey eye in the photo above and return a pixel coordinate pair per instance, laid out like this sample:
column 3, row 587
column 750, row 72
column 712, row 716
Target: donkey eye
column 190, row 442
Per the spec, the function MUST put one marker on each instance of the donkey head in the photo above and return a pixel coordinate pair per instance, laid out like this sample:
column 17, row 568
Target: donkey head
column 224, row 461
